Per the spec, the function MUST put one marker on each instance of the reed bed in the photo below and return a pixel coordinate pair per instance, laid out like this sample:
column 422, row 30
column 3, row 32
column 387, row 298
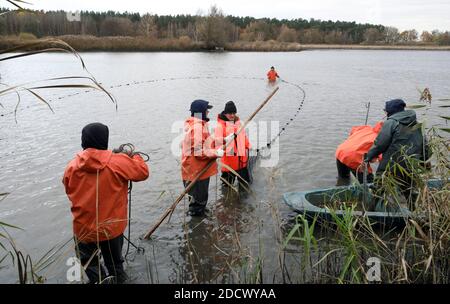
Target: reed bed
column 88, row 43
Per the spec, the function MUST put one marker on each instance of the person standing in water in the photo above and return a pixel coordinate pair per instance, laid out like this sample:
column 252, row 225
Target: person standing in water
column 96, row 183
column 272, row 75
column 197, row 151
column 236, row 156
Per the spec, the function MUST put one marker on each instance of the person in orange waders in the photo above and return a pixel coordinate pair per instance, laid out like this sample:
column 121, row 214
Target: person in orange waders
column 350, row 154
column 236, row 153
column 272, row 75
column 96, row 183
column 197, row 151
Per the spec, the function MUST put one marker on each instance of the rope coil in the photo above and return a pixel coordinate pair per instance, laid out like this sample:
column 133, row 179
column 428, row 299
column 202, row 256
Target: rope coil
column 129, row 150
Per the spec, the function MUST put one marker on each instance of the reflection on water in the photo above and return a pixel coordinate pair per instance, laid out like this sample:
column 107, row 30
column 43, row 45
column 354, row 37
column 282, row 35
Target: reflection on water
column 211, row 248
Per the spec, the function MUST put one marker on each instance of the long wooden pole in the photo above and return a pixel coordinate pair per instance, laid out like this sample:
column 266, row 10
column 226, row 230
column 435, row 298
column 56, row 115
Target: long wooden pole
column 197, row 177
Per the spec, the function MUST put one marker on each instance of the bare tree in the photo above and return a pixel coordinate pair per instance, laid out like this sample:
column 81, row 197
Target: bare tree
column 441, row 38
column 116, row 26
column 147, row 26
column 391, row 35
column 88, row 26
column 408, row 36
column 372, row 35
column 258, row 31
column 336, row 37
column 212, row 29
column 413, row 35
column 426, row 36
column 287, row 34
column 312, row 35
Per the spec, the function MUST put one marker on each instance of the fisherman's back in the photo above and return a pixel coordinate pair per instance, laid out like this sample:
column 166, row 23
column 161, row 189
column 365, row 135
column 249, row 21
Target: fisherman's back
column 399, row 134
column 352, row 150
column 96, row 182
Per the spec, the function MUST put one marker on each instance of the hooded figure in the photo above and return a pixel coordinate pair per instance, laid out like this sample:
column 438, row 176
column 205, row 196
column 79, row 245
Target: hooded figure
column 394, row 106
column 397, row 132
column 95, row 135
column 96, row 183
column 398, row 137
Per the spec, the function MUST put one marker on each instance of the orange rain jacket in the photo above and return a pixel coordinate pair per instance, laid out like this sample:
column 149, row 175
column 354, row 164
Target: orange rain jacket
column 236, row 153
column 111, row 172
column 352, row 150
column 272, row 75
column 197, row 150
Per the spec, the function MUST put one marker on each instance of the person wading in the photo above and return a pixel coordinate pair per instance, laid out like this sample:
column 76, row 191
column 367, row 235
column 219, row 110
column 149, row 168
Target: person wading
column 272, row 75
column 399, row 137
column 197, row 151
column 96, row 183
column 236, row 153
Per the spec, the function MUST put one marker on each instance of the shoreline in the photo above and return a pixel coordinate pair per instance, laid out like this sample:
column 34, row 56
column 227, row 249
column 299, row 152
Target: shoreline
column 270, row 46
column 144, row 44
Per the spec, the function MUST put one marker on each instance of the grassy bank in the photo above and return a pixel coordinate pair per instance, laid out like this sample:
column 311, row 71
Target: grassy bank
column 86, row 43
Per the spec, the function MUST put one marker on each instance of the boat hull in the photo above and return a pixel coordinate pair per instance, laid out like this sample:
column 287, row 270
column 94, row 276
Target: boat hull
column 308, row 203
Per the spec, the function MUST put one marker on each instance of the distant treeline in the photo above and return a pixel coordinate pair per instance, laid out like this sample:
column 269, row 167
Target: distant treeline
column 212, row 30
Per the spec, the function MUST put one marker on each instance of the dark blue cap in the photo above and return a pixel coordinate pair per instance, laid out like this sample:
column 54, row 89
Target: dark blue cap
column 394, row 106
column 200, row 106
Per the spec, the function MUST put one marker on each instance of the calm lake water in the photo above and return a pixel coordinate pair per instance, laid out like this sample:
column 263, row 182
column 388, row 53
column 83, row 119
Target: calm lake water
column 161, row 86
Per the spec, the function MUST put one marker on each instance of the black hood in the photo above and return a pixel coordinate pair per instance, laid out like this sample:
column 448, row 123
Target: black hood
column 95, row 135
column 394, row 106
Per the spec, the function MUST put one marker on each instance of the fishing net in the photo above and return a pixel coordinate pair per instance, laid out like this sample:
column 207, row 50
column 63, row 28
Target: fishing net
column 254, row 155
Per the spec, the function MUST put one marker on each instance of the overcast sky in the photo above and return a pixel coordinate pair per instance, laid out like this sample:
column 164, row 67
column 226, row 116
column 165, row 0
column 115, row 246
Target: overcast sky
column 403, row 14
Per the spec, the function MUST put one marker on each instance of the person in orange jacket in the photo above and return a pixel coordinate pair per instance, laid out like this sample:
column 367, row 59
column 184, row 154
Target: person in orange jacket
column 236, row 153
column 96, row 183
column 350, row 154
column 197, row 151
column 272, row 75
